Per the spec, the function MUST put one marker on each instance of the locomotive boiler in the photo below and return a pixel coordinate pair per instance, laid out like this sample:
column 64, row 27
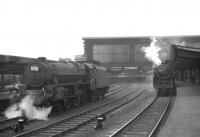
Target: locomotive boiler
column 65, row 84
column 164, row 81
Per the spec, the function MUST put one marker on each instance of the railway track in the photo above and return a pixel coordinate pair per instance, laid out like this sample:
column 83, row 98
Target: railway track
column 146, row 123
column 66, row 125
column 7, row 124
column 115, row 87
column 118, row 89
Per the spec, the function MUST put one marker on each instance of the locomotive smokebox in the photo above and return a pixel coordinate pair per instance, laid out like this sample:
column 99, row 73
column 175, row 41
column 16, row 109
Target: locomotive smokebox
column 164, row 81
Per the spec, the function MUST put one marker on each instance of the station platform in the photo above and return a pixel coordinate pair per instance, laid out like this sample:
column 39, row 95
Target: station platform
column 184, row 119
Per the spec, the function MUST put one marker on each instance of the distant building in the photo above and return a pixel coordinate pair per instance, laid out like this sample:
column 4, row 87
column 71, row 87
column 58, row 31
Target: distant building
column 65, row 59
column 80, row 58
column 117, row 52
column 126, row 51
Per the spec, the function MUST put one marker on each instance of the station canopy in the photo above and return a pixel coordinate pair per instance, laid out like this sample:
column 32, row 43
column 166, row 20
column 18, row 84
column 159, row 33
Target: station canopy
column 185, row 56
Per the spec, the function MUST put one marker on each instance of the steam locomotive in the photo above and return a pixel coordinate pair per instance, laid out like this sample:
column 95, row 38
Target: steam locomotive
column 64, row 84
column 164, row 81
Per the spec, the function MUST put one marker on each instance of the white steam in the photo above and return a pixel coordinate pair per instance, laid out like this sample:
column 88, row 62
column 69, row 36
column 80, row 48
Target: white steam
column 152, row 52
column 159, row 49
column 11, row 112
column 30, row 111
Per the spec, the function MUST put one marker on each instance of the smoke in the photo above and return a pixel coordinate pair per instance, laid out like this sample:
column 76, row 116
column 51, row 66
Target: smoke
column 152, row 52
column 11, row 112
column 27, row 108
column 159, row 49
column 175, row 40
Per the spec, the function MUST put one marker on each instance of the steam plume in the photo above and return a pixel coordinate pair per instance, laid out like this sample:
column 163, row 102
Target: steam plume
column 26, row 106
column 11, row 112
column 151, row 52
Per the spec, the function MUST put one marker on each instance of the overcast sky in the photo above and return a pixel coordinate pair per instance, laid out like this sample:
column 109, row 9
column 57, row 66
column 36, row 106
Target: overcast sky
column 54, row 28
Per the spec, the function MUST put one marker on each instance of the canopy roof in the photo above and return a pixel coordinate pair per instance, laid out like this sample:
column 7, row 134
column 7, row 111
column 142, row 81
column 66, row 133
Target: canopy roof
column 185, row 57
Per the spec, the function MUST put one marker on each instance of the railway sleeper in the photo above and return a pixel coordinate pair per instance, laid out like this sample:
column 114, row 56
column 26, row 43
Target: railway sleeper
column 44, row 134
column 57, row 128
column 137, row 133
column 51, row 131
column 63, row 126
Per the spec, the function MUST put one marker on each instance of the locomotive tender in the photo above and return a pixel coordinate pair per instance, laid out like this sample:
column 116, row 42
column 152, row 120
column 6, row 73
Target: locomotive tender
column 65, row 84
column 164, row 81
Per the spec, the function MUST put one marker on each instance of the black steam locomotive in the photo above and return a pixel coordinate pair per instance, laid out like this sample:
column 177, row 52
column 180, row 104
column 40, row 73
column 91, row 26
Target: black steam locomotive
column 65, row 84
column 164, row 80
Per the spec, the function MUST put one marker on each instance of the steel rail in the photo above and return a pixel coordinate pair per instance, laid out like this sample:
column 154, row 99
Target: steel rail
column 76, row 128
column 113, row 93
column 115, row 87
column 10, row 123
column 160, row 119
column 117, row 133
column 94, row 118
column 7, row 124
column 75, row 116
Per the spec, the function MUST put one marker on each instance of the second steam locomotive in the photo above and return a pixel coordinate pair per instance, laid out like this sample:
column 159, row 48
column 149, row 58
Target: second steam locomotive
column 65, row 84
column 164, row 80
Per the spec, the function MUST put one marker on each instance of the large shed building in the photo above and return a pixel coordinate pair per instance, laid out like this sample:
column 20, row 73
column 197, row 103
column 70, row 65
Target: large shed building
column 115, row 52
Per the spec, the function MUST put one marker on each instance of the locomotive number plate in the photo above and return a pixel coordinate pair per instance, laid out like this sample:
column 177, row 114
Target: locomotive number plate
column 34, row 68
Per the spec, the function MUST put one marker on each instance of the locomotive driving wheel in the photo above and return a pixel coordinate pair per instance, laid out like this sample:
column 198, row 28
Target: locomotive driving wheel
column 58, row 106
column 46, row 103
column 102, row 93
column 84, row 96
column 77, row 101
column 93, row 97
column 67, row 103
